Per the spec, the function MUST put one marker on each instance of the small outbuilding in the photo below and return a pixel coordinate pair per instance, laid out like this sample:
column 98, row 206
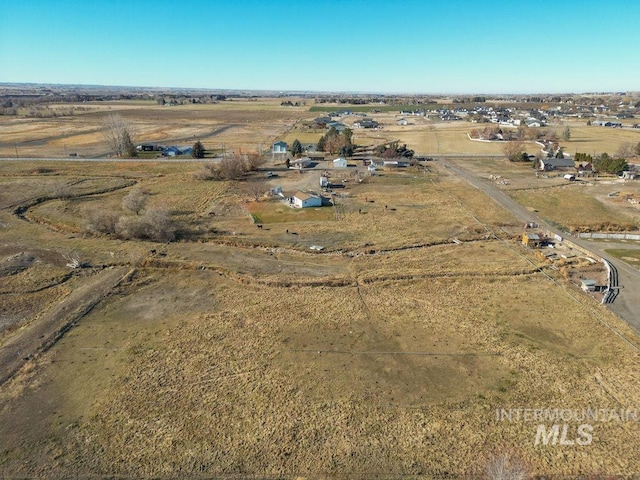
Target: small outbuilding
column 531, row 239
column 303, row 162
column 340, row 162
column 588, row 285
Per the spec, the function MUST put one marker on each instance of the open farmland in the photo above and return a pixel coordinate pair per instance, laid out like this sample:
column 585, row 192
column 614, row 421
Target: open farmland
column 238, row 125
column 237, row 351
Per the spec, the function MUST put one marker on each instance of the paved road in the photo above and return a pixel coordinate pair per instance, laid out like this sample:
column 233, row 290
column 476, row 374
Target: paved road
column 627, row 303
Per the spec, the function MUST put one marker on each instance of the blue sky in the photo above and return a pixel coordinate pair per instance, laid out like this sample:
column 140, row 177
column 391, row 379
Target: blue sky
column 445, row 46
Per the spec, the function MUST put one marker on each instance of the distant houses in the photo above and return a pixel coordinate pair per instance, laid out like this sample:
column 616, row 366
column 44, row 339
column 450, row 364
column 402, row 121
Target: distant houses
column 602, row 123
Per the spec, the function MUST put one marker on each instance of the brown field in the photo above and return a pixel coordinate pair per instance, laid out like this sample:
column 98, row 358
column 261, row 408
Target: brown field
column 242, row 126
column 235, row 351
column 239, row 125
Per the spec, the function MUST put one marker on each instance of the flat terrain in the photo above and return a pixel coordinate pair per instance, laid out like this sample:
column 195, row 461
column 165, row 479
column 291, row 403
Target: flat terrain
column 236, row 351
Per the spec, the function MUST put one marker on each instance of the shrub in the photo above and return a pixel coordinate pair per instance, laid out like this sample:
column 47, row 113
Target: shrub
column 101, row 222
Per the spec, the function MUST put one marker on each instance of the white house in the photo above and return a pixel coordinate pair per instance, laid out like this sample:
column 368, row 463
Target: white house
column 306, row 200
column 372, row 169
column 402, row 121
column 340, row 162
column 280, row 147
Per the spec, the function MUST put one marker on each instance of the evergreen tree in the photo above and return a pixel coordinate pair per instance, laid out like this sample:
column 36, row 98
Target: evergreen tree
column 198, row 150
column 296, row 148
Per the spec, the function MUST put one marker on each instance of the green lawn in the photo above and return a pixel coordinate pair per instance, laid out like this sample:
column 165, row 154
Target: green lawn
column 630, row 256
column 278, row 212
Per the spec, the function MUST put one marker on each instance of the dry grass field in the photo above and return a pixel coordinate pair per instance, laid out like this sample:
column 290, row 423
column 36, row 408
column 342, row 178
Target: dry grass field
column 237, row 351
column 238, row 125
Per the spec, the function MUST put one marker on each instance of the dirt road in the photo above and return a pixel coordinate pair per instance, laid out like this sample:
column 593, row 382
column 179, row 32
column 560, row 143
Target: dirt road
column 43, row 332
column 626, row 304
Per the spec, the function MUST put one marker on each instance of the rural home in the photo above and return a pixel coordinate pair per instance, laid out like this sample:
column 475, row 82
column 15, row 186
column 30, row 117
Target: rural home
column 306, row 200
column 279, row 147
column 402, row 121
column 337, row 125
column 173, row 151
column 366, row 123
column 531, row 239
column 585, row 168
column 547, row 164
column 340, row 162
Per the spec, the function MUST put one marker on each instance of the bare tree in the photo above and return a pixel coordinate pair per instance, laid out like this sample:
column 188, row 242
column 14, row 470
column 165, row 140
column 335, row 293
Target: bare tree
column 208, row 171
column 505, row 467
column 625, row 150
column 254, row 161
column 255, row 189
column 232, row 168
column 135, row 201
column 513, row 150
column 118, row 135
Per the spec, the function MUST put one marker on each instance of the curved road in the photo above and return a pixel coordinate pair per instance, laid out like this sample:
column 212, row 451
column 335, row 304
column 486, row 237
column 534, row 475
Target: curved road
column 627, row 302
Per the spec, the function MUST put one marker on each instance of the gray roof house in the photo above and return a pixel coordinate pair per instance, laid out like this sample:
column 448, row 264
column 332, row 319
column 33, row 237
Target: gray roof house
column 555, row 164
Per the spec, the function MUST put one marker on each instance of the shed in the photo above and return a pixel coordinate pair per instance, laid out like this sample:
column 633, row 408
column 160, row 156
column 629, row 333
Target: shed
column 531, row 239
column 340, row 162
column 303, row 162
column 588, row 285
column 306, row 200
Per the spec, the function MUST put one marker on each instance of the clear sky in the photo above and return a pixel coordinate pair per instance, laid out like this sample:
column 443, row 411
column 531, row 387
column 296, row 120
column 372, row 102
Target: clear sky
column 400, row 46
